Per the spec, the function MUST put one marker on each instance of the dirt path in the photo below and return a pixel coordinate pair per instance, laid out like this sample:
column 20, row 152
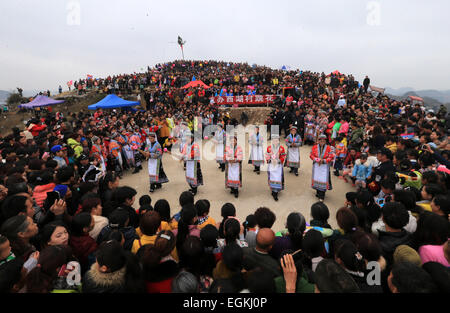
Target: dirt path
column 297, row 196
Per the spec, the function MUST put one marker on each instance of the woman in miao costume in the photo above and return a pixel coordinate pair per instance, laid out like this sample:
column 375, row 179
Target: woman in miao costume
column 310, row 127
column 322, row 156
column 233, row 170
column 293, row 143
column 275, row 158
column 153, row 153
column 220, row 140
column 256, row 150
column 191, row 155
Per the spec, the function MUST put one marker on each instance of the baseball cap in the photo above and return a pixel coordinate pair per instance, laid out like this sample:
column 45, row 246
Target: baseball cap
column 56, row 148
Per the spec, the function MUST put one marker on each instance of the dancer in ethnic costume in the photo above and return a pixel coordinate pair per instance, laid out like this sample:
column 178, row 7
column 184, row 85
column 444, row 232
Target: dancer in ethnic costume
column 135, row 144
column 153, row 153
column 256, row 150
column 322, row 123
column 191, row 155
column 293, row 143
column 98, row 151
column 310, row 127
column 275, row 158
column 233, row 169
column 115, row 150
column 322, row 156
column 220, row 141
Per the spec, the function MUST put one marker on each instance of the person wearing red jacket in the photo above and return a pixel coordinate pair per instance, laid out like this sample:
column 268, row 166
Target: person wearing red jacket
column 98, row 152
column 115, row 151
column 135, row 143
column 349, row 162
column 35, row 129
column 275, row 158
column 98, row 114
column 322, row 156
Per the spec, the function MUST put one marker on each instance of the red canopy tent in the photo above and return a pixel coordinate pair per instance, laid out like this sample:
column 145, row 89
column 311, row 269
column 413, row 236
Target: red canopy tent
column 414, row 98
column 334, row 73
column 195, row 83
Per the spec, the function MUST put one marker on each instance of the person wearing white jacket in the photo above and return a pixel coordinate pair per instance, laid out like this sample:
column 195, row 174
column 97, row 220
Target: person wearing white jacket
column 410, row 227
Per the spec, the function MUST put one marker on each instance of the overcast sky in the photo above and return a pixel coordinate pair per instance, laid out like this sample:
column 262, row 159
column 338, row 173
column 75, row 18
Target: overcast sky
column 398, row 43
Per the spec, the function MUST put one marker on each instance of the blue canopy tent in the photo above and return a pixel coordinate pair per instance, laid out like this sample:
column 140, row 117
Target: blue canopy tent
column 112, row 102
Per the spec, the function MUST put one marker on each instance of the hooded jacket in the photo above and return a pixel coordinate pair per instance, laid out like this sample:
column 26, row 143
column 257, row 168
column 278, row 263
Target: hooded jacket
column 82, row 247
column 361, row 171
column 159, row 279
column 389, row 241
column 76, row 146
column 97, row 282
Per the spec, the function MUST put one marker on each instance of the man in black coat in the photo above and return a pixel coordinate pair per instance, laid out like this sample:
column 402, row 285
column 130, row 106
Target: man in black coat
column 278, row 119
column 386, row 166
column 287, row 120
column 366, row 83
column 298, row 120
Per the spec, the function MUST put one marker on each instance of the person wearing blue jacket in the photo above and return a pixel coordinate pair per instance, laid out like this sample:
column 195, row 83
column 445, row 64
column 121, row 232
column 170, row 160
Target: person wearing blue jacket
column 361, row 171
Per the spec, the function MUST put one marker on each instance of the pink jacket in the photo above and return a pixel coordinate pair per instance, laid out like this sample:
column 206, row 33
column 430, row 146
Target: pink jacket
column 193, row 231
column 344, row 128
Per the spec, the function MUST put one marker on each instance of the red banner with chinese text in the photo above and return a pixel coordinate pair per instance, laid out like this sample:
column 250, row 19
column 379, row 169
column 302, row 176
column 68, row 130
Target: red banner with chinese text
column 244, row 100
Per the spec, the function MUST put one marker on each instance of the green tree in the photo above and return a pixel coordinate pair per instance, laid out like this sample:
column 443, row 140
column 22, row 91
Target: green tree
column 15, row 98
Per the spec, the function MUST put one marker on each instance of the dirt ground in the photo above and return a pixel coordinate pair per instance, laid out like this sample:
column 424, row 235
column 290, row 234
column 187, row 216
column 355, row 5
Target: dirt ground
column 297, row 195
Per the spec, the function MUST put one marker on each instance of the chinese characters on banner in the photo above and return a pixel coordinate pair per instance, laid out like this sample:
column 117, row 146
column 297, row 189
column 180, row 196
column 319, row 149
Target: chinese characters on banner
column 244, row 100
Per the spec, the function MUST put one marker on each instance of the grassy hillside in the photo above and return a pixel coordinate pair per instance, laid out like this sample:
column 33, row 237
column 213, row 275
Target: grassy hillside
column 73, row 103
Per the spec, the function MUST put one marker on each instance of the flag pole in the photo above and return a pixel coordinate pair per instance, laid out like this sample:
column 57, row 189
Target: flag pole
column 181, row 43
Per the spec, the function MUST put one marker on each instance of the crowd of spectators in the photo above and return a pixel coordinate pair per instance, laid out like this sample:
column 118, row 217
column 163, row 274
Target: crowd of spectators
column 68, row 225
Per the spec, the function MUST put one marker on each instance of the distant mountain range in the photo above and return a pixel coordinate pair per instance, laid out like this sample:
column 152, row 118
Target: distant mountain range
column 443, row 96
column 3, row 96
column 26, row 93
column 432, row 98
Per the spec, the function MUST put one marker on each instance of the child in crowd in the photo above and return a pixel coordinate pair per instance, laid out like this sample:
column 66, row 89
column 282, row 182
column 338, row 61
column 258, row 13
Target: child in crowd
column 320, row 215
column 385, row 195
column 429, row 191
column 168, row 143
column 202, row 206
column 145, row 203
column 249, row 224
column 365, row 147
column 361, row 171
column 349, row 162
column 341, row 153
column 391, row 144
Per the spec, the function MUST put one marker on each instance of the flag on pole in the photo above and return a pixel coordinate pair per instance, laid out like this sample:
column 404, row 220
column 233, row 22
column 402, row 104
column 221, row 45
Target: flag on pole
column 89, row 76
column 181, row 43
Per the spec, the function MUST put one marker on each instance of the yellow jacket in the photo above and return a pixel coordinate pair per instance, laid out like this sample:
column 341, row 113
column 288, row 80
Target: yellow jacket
column 392, row 147
column 209, row 220
column 144, row 240
column 164, row 226
column 170, row 122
